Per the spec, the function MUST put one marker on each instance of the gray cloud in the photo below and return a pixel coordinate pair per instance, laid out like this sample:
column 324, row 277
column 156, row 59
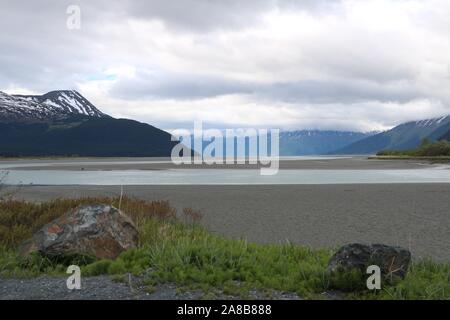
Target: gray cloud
column 177, row 86
column 206, row 15
column 166, row 85
column 340, row 90
column 309, row 55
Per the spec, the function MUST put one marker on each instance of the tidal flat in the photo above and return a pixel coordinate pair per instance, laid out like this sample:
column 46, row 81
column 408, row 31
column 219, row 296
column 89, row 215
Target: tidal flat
column 415, row 216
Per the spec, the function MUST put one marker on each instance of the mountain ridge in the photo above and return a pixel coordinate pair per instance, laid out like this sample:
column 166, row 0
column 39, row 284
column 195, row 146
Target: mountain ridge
column 446, row 136
column 64, row 123
column 404, row 136
column 316, row 142
column 53, row 105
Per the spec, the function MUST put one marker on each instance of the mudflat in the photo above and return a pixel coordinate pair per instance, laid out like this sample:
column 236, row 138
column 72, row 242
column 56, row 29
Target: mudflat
column 316, row 163
column 415, row 216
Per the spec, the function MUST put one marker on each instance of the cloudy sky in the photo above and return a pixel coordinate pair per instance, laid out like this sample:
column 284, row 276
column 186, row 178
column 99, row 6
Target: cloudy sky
column 311, row 64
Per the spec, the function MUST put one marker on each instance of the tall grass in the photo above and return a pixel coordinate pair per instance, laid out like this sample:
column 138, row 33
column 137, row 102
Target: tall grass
column 19, row 220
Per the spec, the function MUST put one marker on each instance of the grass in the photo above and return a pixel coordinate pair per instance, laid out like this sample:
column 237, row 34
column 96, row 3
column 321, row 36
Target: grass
column 179, row 250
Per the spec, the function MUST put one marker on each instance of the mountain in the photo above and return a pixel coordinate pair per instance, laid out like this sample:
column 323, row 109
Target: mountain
column 315, row 142
column 54, row 105
column 64, row 123
column 402, row 137
column 84, row 136
column 291, row 143
column 446, row 136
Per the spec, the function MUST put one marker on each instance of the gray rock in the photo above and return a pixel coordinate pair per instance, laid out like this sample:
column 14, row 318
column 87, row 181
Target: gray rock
column 101, row 231
column 393, row 261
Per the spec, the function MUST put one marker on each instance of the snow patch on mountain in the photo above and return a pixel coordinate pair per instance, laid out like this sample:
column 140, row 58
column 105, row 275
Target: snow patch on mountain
column 50, row 106
column 431, row 122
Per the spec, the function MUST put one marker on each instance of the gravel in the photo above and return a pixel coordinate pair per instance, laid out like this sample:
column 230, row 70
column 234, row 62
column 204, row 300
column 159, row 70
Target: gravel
column 105, row 288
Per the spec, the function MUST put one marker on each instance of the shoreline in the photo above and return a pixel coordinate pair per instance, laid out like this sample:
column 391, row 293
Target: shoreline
column 413, row 215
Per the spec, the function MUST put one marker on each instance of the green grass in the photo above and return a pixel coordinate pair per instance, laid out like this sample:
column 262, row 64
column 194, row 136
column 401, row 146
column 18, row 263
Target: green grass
column 193, row 257
column 186, row 254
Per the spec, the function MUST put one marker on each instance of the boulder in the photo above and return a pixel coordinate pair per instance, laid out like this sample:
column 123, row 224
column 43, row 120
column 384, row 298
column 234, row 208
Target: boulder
column 356, row 257
column 100, row 231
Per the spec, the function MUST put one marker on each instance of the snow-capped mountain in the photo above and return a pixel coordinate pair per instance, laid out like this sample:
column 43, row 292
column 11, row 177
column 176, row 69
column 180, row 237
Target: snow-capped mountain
column 314, row 142
column 53, row 105
column 64, row 123
column 430, row 122
column 402, row 137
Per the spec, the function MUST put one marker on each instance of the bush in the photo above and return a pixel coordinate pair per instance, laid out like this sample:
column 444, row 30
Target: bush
column 19, row 220
column 439, row 148
column 426, row 149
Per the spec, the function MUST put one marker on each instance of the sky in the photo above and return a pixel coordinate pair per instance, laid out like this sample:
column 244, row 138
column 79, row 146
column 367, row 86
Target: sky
column 313, row 64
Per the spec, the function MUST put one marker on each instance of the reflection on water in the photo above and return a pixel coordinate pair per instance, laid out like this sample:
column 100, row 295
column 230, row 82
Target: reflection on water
column 226, row 176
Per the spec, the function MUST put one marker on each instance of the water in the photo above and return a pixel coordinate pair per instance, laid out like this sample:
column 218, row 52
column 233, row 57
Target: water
column 47, row 163
column 427, row 174
column 225, row 176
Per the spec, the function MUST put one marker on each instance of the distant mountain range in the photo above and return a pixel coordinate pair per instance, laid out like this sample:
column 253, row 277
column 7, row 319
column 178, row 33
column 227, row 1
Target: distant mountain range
column 402, row 137
column 292, row 143
column 64, row 123
column 317, row 142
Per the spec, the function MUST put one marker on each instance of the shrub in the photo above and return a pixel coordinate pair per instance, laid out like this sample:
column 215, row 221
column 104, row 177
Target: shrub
column 439, row 148
column 19, row 220
column 426, row 149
